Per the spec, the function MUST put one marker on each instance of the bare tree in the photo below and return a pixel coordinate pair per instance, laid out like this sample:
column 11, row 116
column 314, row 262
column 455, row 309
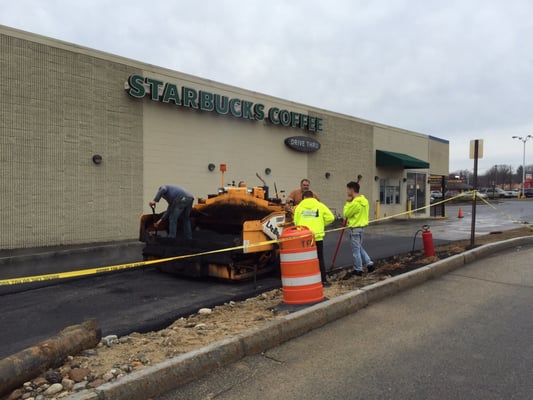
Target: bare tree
column 464, row 174
column 499, row 175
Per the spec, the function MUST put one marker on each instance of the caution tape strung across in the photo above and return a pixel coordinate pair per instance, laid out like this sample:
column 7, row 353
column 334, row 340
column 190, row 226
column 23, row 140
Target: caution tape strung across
column 510, row 218
column 398, row 215
column 138, row 264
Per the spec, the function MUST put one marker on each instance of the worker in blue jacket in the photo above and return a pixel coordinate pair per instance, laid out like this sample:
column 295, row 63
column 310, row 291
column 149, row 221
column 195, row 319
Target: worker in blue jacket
column 180, row 202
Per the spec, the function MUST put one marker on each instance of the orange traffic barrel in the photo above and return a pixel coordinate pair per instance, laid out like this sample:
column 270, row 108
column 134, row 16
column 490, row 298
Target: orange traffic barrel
column 300, row 272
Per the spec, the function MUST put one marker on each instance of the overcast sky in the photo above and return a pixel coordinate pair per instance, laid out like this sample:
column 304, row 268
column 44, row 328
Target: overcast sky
column 455, row 69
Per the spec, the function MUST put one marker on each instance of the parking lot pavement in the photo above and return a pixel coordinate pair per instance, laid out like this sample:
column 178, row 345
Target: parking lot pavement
column 389, row 237
column 498, row 216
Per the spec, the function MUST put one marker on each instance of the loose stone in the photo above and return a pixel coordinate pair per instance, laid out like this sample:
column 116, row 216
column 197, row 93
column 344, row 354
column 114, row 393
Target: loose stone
column 78, row 374
column 43, row 387
column 53, row 389
column 95, row 383
column 126, row 368
column 80, row 386
column 68, row 384
column 107, row 377
column 110, row 340
column 142, row 358
column 53, row 376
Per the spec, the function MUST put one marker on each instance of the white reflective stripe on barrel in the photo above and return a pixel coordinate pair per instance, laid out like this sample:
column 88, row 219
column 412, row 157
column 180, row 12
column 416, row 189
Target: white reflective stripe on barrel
column 301, row 256
column 301, row 281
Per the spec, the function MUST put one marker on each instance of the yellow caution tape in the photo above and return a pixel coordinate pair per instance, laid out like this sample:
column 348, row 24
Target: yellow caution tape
column 510, row 218
column 398, row 215
column 118, row 267
column 138, row 264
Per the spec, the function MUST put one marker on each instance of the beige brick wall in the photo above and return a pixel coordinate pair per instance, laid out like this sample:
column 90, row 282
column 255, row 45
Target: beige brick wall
column 439, row 154
column 179, row 143
column 60, row 104
column 401, row 141
column 57, row 109
column 346, row 152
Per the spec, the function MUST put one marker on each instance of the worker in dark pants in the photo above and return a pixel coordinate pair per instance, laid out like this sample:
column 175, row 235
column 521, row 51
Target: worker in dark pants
column 315, row 216
column 180, row 202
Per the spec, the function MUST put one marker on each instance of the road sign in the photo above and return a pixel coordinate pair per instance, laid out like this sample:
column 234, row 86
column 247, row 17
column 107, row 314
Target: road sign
column 479, row 148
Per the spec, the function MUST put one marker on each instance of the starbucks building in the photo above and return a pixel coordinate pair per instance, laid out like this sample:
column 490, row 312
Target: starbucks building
column 88, row 137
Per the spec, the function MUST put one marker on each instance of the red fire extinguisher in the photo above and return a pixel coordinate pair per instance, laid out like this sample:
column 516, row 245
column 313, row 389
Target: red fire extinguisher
column 427, row 239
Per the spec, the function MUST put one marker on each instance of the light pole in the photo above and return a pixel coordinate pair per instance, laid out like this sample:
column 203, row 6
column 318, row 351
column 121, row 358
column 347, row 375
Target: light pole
column 524, row 140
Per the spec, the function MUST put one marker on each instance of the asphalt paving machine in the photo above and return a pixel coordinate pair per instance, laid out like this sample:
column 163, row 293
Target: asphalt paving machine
column 241, row 219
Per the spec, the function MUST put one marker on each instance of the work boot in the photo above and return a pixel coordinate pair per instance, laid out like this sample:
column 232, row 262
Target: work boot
column 370, row 267
column 357, row 273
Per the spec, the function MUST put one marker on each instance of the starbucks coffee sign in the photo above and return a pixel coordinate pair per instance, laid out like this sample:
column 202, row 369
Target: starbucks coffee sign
column 139, row 87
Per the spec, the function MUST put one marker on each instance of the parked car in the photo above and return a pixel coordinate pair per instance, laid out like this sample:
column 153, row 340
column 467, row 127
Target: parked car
column 495, row 193
column 451, row 193
column 436, row 194
column 469, row 195
column 509, row 193
column 528, row 192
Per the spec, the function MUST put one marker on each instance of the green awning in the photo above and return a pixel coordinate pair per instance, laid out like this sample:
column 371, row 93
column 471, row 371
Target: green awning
column 391, row 159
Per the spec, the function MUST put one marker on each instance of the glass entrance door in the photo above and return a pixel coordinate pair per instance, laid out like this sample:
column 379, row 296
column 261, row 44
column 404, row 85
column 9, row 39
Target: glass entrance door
column 416, row 190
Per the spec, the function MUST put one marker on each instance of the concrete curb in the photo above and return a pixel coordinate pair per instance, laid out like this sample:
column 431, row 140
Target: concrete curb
column 163, row 377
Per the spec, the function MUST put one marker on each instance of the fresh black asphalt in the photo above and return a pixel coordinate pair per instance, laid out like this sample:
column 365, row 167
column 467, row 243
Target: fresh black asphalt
column 137, row 300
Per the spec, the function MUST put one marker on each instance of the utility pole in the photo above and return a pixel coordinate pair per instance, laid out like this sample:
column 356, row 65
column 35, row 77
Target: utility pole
column 524, row 140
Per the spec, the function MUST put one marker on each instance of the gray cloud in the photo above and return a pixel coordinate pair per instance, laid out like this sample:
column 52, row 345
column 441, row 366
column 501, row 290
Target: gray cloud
column 457, row 70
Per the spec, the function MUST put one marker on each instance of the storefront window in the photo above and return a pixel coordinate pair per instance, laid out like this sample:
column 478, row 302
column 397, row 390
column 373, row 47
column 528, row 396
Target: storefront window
column 389, row 191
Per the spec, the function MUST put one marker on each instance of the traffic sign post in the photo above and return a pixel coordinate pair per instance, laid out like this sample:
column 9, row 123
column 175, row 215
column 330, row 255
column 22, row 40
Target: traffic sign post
column 476, row 152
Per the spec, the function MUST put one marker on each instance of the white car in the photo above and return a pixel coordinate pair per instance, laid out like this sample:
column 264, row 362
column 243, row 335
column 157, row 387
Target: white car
column 469, row 195
column 495, row 193
column 435, row 194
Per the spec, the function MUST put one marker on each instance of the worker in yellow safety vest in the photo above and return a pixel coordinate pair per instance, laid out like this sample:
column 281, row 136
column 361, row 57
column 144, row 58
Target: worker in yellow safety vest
column 315, row 216
column 356, row 210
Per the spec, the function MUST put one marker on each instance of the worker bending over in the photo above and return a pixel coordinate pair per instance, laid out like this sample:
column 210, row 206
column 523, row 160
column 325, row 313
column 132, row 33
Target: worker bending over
column 180, row 202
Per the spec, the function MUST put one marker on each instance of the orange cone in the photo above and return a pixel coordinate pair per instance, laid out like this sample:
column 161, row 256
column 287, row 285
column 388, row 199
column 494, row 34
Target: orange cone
column 460, row 215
